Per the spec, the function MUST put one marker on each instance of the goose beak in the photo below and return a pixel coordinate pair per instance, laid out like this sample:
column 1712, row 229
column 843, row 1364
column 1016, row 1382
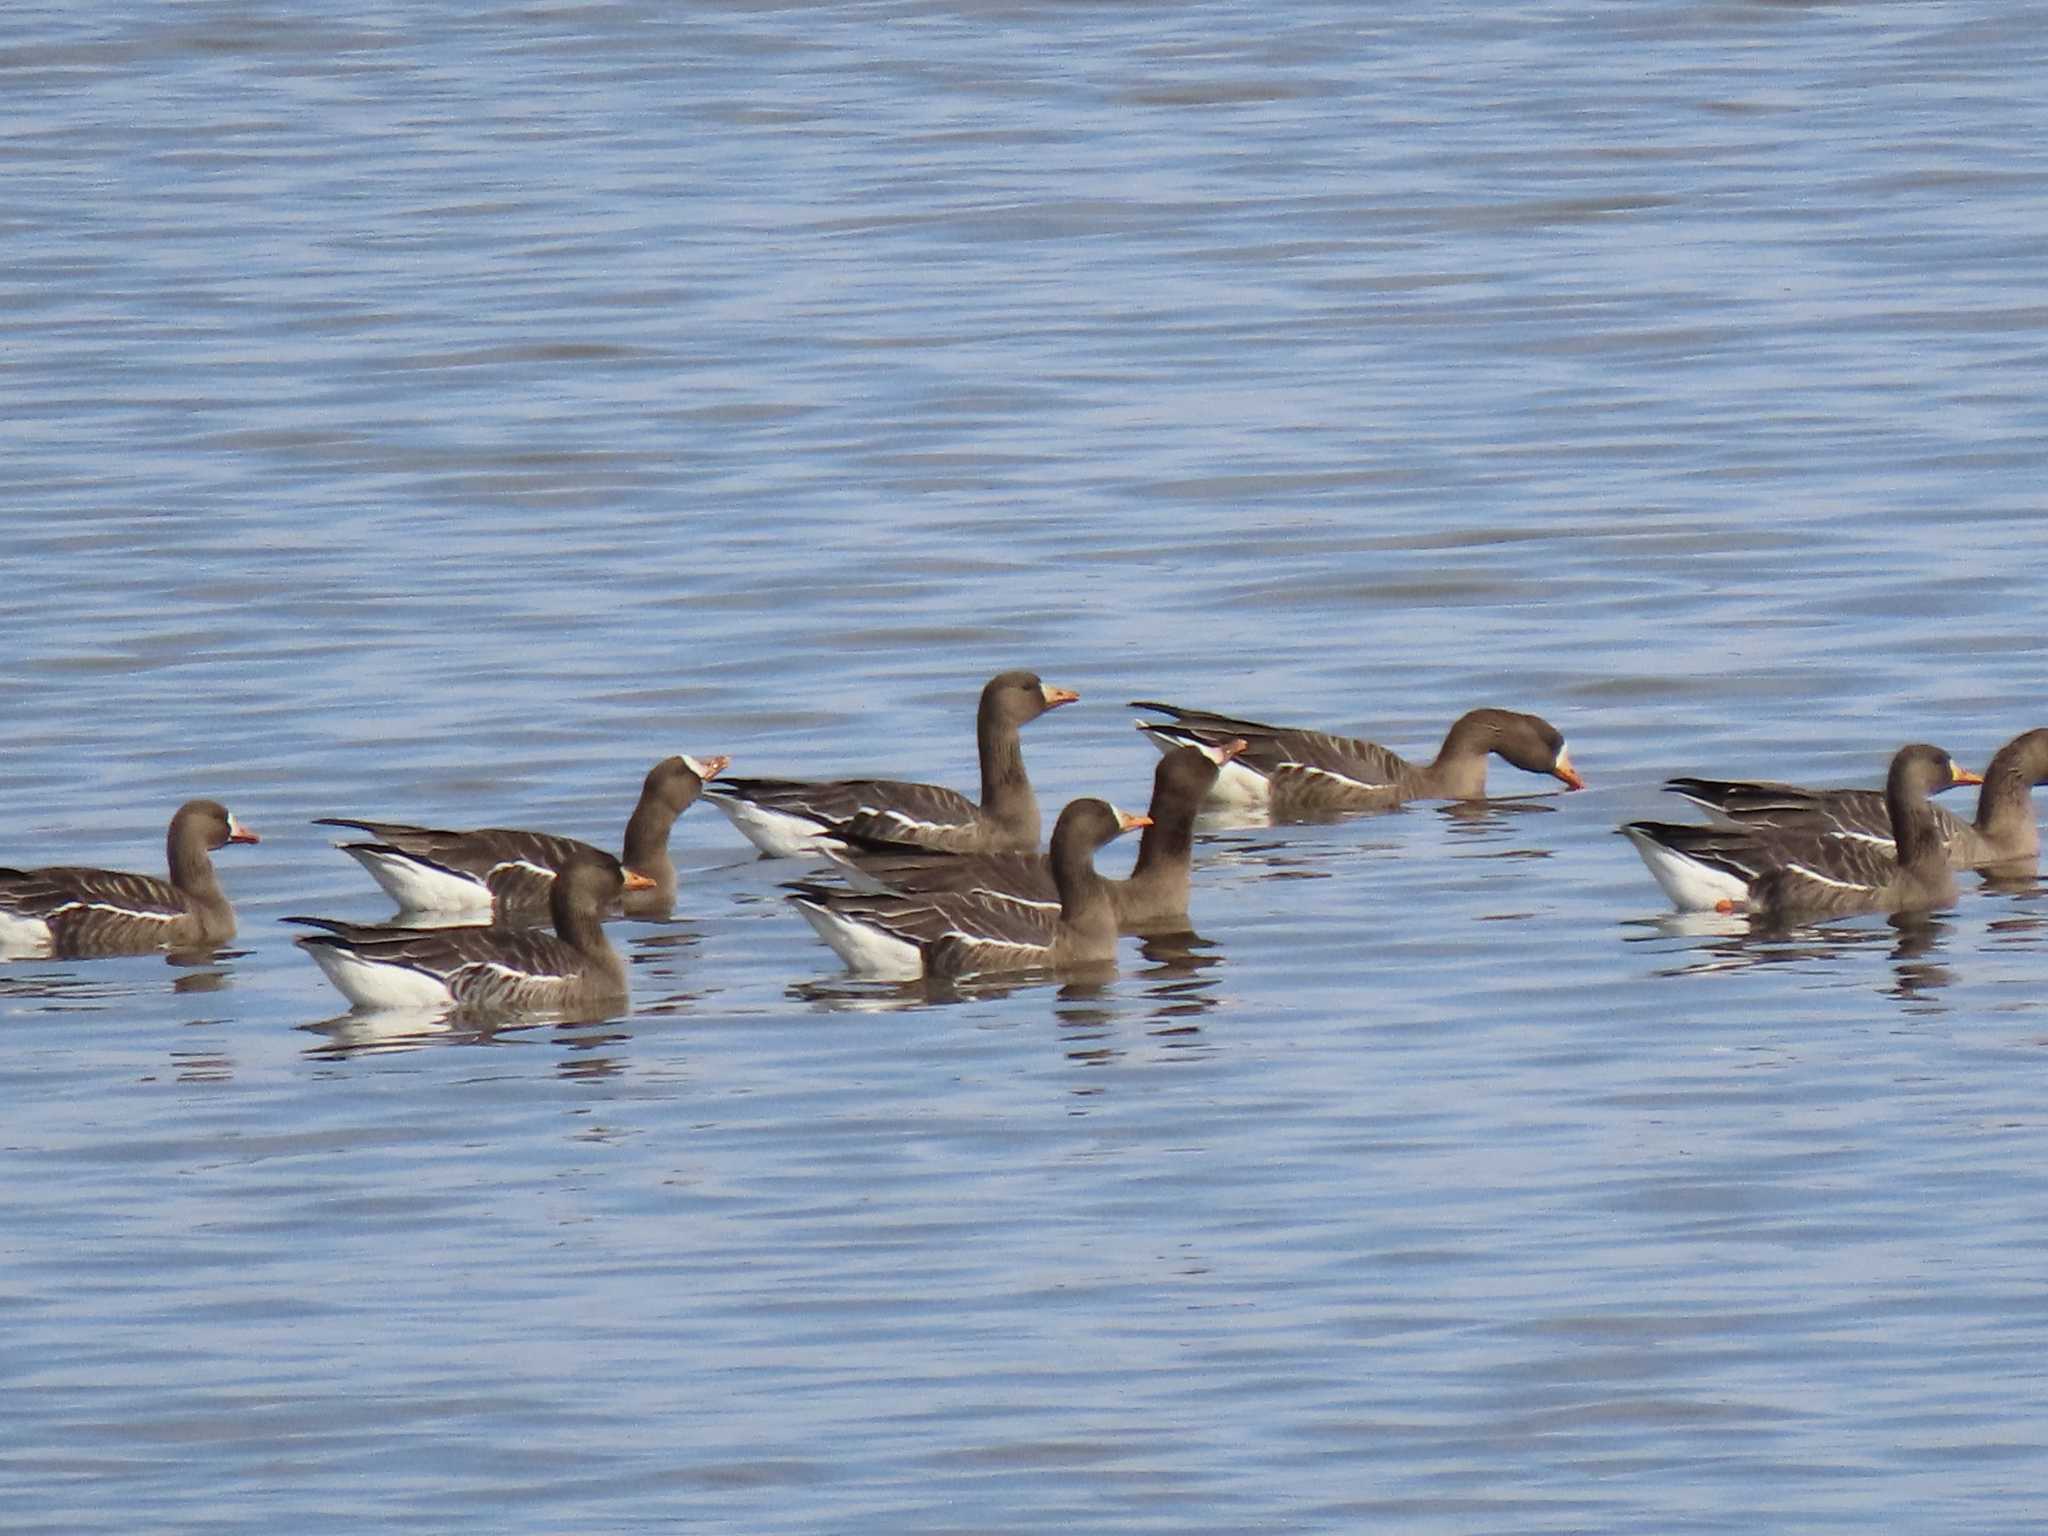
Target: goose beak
column 1126, row 822
column 635, row 881
column 707, row 767
column 237, row 833
column 1055, row 697
column 1221, row 753
column 1565, row 771
column 1958, row 774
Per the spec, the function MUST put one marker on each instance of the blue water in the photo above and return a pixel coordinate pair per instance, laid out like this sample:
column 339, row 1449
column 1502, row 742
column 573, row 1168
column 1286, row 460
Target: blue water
column 444, row 414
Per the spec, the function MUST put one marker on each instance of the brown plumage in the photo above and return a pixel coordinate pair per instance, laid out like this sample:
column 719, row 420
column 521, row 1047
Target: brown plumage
column 1291, row 771
column 800, row 817
column 428, row 869
column 960, row 933
column 1153, row 898
column 488, row 967
column 1779, row 872
column 73, row 911
column 2002, row 837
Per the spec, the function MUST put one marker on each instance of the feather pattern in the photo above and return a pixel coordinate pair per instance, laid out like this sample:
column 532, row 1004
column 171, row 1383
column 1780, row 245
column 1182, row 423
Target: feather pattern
column 2003, row 832
column 432, row 869
column 1296, row 771
column 967, row 932
column 787, row 818
column 1809, row 871
column 484, row 966
column 73, row 910
column 1153, row 897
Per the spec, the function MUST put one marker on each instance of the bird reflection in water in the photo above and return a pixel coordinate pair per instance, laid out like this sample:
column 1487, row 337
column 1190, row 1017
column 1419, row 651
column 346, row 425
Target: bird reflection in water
column 1496, row 813
column 2022, row 890
column 201, row 966
column 1173, row 985
column 588, row 1057
column 1735, row 942
column 1177, row 988
column 363, row 1033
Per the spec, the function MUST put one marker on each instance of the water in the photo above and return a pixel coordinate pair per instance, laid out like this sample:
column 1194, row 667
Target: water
column 443, row 415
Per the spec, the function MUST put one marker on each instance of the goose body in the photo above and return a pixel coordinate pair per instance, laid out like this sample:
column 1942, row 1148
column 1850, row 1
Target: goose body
column 482, row 966
column 70, row 910
column 2001, row 835
column 1804, row 871
column 791, row 818
column 961, row 933
column 429, row 869
column 1152, row 898
column 1294, row 771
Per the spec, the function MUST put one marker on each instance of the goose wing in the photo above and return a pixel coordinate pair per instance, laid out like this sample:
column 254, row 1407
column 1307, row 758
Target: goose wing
column 956, row 932
column 988, row 931
column 517, row 866
column 43, row 892
column 1311, row 766
column 1853, row 813
column 465, row 958
column 1769, row 869
column 923, row 815
column 896, row 807
column 1823, row 872
column 915, row 872
column 106, row 909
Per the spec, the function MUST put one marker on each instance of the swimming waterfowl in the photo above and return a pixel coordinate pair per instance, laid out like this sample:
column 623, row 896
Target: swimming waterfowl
column 72, row 911
column 1778, row 871
column 1153, row 898
column 790, row 818
column 961, row 933
column 489, row 967
column 428, row 869
column 1291, row 771
column 2002, row 835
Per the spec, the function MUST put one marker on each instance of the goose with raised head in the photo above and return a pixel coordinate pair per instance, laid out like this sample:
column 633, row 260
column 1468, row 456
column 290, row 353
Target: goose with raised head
column 963, row 933
column 793, row 818
column 1779, row 871
column 2002, row 835
column 429, row 869
column 64, row 909
column 488, row 967
column 1152, row 898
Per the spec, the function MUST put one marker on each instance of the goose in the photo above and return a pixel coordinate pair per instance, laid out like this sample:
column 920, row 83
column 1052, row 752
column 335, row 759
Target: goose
column 1290, row 771
column 1778, row 871
column 2002, row 834
column 484, row 966
column 428, row 869
column 1153, row 898
column 961, row 933
column 795, row 818
column 72, row 911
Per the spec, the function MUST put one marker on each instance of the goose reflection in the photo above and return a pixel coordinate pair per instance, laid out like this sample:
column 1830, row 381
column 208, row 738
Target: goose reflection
column 1727, row 942
column 364, row 1032
column 860, row 994
column 1496, row 815
column 1173, row 983
column 371, row 1034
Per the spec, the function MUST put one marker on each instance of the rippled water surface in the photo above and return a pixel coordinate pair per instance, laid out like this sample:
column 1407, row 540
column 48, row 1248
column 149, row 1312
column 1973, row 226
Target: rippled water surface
column 445, row 413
